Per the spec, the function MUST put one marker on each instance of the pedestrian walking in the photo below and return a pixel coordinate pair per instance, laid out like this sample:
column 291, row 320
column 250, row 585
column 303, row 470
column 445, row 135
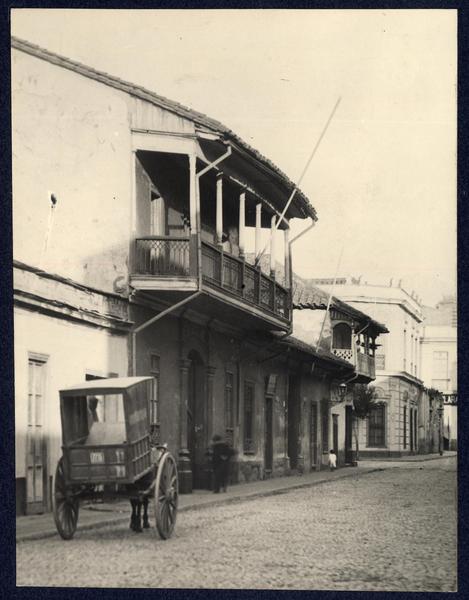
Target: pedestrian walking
column 221, row 455
column 332, row 460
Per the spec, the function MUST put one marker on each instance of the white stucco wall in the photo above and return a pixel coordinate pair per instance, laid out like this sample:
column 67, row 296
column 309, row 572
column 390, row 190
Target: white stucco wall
column 72, row 350
column 71, row 137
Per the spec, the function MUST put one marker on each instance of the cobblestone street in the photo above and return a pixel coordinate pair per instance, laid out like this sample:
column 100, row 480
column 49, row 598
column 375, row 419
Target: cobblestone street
column 391, row 530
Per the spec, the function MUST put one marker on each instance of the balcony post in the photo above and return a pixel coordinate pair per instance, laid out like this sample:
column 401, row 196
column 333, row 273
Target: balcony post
column 272, row 247
column 193, row 209
column 219, row 208
column 286, row 234
column 258, row 228
column 193, row 194
column 242, row 218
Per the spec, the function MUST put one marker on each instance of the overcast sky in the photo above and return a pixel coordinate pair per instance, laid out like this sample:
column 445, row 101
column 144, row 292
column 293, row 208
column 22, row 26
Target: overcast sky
column 383, row 180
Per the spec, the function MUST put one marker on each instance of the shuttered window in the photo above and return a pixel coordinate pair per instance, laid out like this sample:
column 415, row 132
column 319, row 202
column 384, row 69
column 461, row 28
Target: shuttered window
column 376, row 426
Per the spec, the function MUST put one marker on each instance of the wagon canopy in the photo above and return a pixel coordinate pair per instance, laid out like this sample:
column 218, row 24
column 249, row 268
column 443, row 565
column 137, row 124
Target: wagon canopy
column 113, row 385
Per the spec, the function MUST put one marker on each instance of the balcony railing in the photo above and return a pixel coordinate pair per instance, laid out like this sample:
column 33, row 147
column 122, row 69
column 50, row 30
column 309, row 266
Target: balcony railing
column 167, row 256
column 364, row 364
column 162, row 256
column 243, row 280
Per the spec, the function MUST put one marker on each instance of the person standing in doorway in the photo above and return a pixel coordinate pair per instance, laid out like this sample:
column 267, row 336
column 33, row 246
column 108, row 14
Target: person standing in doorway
column 221, row 455
column 332, row 460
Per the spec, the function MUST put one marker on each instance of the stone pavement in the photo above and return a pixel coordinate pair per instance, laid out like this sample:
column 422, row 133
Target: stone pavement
column 93, row 516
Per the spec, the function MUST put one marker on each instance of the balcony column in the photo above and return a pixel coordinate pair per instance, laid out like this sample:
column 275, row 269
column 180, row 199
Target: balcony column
column 286, row 238
column 242, row 219
column 193, row 203
column 184, row 461
column 258, row 228
column 272, row 247
column 219, row 209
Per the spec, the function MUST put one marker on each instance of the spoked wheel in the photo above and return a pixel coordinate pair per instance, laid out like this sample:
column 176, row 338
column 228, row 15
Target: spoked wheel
column 65, row 507
column 166, row 496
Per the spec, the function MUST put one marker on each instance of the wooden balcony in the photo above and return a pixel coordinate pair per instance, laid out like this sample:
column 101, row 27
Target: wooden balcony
column 363, row 363
column 169, row 264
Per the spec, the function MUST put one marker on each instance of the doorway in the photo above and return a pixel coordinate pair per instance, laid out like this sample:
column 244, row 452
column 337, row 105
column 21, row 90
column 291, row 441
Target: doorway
column 196, row 421
column 268, row 436
column 349, row 453
column 293, row 421
column 36, row 446
column 313, row 435
column 335, row 433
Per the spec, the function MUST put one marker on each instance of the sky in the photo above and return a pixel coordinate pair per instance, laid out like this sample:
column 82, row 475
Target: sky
column 383, row 180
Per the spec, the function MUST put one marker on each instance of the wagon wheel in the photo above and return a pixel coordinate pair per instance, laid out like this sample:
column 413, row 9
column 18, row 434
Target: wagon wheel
column 64, row 506
column 166, row 496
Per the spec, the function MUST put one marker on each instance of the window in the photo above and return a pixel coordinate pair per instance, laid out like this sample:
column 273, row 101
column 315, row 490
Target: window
column 229, row 406
column 154, row 397
column 248, row 417
column 325, row 425
column 405, row 427
column 376, row 426
column 342, row 336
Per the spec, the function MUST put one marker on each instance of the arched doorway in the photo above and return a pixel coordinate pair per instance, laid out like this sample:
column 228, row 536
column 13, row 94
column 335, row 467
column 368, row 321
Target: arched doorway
column 196, row 420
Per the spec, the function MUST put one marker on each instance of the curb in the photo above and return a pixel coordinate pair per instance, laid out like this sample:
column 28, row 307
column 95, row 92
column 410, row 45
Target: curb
column 215, row 502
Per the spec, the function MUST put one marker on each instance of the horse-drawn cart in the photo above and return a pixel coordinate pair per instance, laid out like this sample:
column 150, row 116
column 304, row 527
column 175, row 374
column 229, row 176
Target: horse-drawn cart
column 107, row 452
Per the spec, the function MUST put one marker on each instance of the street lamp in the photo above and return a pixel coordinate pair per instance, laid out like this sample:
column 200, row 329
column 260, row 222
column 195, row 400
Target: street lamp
column 342, row 391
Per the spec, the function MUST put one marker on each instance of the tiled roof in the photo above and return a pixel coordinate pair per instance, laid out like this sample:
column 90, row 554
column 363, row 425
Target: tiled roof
column 170, row 105
column 320, row 353
column 314, row 298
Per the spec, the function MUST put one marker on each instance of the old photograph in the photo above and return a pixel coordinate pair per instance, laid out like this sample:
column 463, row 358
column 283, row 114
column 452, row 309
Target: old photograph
column 235, row 311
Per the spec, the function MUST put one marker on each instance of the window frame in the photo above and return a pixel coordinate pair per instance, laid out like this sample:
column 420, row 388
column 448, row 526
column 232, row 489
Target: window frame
column 381, row 406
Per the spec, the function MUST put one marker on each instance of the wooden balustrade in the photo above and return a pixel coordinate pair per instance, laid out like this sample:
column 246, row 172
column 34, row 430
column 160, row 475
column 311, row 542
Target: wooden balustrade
column 162, row 256
column 170, row 256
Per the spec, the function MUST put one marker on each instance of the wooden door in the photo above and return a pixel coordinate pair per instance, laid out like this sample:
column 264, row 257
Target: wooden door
column 36, row 446
column 196, row 426
column 335, row 433
column 349, row 453
column 268, row 435
column 313, row 435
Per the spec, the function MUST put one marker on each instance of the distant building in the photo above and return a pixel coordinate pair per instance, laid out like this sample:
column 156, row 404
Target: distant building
column 400, row 423
column 439, row 360
column 349, row 334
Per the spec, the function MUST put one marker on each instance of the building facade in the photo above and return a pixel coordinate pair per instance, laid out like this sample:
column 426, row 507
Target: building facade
column 131, row 220
column 401, row 423
column 351, row 335
column 439, row 361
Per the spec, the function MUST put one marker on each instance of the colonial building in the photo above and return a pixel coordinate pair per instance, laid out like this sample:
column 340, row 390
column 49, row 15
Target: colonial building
column 132, row 216
column 399, row 424
column 349, row 334
column 439, row 361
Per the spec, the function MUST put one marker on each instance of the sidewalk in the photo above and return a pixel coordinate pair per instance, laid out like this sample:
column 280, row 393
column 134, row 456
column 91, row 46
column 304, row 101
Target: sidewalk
column 94, row 516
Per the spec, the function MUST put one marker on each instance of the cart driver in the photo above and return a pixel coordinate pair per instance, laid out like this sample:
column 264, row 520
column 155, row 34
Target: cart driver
column 92, row 411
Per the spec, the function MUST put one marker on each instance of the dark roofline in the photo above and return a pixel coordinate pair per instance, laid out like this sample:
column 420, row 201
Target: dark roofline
column 320, row 354
column 300, row 200
column 315, row 301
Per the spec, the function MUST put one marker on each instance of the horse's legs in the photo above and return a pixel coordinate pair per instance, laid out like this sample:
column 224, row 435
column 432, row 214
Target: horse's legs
column 133, row 504
column 146, row 522
column 135, row 519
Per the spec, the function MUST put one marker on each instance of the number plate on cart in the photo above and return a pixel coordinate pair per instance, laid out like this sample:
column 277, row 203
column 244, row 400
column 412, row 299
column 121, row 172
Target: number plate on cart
column 96, row 457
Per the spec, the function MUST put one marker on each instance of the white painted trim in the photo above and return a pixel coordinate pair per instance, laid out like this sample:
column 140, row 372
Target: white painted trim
column 163, row 143
column 149, row 283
